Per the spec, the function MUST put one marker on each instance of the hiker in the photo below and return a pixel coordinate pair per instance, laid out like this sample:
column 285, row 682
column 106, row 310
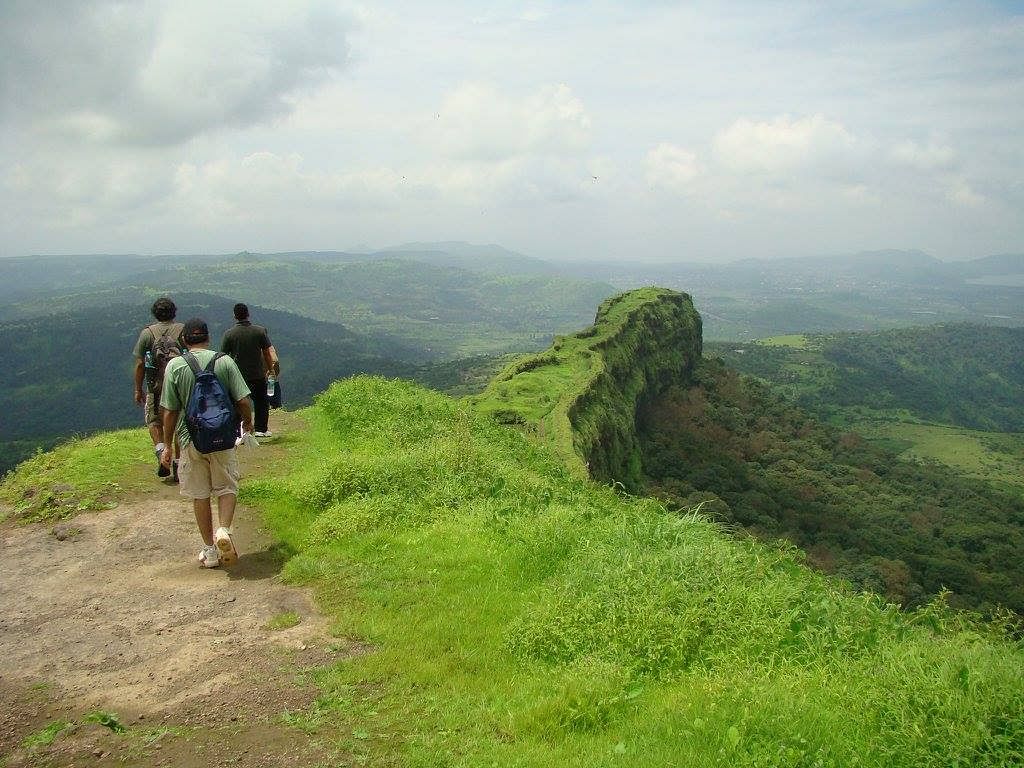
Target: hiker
column 203, row 475
column 156, row 345
column 249, row 346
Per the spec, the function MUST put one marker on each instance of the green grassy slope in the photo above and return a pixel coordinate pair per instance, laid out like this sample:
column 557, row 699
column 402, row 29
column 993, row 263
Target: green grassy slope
column 522, row 616
column 517, row 614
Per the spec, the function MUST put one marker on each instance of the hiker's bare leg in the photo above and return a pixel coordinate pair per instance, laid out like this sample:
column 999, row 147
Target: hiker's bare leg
column 226, row 509
column 156, row 432
column 204, row 519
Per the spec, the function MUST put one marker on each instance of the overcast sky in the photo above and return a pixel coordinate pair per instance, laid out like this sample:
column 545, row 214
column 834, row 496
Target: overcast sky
column 635, row 130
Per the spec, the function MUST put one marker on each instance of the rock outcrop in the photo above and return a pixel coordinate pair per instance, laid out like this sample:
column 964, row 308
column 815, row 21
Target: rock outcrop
column 582, row 394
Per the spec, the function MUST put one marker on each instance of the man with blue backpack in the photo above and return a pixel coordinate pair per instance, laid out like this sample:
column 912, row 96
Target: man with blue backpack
column 206, row 389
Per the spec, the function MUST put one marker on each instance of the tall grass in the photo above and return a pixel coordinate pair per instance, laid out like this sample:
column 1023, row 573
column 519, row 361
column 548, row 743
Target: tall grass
column 81, row 474
column 520, row 616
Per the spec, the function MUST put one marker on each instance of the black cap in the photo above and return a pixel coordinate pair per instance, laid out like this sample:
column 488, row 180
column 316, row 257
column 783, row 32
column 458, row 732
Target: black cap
column 196, row 331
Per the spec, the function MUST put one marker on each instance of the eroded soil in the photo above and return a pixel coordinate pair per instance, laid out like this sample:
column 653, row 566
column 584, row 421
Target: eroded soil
column 115, row 616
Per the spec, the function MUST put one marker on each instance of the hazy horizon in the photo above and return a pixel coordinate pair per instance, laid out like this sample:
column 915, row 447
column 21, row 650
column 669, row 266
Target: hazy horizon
column 699, row 133
column 405, row 247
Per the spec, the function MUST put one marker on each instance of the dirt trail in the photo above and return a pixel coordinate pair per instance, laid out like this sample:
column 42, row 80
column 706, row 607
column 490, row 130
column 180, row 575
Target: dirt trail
column 118, row 617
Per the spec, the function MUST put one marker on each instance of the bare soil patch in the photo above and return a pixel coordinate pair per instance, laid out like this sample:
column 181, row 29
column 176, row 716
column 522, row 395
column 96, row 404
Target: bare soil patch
column 109, row 612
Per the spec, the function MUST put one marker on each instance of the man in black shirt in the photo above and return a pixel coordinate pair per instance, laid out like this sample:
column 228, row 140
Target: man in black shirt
column 249, row 346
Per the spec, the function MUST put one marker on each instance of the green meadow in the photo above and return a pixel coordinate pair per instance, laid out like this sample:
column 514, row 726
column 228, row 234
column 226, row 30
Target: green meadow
column 515, row 613
column 520, row 616
column 796, row 341
column 996, row 457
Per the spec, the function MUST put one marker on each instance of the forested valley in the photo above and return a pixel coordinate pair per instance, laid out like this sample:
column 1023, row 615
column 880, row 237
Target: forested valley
column 824, row 442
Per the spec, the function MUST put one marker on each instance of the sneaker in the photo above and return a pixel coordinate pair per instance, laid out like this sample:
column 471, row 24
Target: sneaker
column 265, row 435
column 209, row 557
column 161, row 470
column 225, row 547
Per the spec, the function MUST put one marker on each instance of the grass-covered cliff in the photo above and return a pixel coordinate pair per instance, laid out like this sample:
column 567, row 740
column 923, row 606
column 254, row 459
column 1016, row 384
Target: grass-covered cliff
column 582, row 394
column 518, row 614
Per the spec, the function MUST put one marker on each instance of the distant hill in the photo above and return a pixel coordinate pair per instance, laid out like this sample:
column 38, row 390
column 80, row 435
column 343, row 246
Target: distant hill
column 72, row 373
column 966, row 375
column 1003, row 264
column 874, row 290
column 442, row 311
column 898, row 267
column 21, row 277
column 489, row 259
column 484, row 259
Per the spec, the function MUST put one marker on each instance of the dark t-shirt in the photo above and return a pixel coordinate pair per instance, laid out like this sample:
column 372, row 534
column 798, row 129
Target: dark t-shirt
column 245, row 343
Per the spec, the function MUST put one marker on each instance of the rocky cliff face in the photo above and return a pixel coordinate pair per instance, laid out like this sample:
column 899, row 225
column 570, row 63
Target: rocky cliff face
column 582, row 394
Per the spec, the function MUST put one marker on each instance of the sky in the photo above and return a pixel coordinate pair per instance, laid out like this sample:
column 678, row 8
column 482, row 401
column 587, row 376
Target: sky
column 643, row 130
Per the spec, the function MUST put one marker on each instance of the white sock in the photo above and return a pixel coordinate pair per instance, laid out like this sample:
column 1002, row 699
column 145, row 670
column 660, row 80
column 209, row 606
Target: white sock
column 160, row 447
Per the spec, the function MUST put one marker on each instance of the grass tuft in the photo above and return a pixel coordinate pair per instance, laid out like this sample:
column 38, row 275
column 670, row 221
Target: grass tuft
column 284, row 620
column 46, row 735
column 107, row 720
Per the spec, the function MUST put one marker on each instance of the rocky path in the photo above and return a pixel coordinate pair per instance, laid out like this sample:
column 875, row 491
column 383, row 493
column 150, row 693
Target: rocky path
column 109, row 614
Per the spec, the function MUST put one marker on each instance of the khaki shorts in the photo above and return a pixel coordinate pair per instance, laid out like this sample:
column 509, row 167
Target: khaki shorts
column 202, row 475
column 153, row 416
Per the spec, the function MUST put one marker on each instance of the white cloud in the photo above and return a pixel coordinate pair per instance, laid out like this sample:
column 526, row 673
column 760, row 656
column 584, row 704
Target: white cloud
column 927, row 157
column 783, row 144
column 104, row 190
column 961, row 193
column 671, row 167
column 265, row 184
column 861, row 194
column 162, row 72
column 476, row 122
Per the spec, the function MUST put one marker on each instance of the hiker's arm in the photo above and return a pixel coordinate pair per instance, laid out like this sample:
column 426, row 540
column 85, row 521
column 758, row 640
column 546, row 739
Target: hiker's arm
column 245, row 411
column 270, row 358
column 170, row 422
column 140, row 373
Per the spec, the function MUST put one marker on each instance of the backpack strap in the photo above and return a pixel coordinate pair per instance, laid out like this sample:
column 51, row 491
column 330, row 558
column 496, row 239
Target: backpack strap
column 213, row 363
column 179, row 327
column 193, row 363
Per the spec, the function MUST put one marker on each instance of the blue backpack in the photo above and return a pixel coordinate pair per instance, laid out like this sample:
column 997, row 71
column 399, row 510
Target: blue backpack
column 210, row 416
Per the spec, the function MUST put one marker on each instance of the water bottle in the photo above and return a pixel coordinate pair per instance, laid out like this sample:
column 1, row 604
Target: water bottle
column 150, row 367
column 271, row 381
